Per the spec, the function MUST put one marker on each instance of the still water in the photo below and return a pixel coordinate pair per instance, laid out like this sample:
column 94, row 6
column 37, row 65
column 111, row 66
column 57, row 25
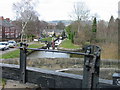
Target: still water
column 43, row 54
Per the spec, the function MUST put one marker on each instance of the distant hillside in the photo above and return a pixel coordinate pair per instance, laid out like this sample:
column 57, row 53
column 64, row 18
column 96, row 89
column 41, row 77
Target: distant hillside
column 66, row 22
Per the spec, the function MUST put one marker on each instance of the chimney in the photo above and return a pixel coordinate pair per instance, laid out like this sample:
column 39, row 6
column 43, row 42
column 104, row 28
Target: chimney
column 1, row 18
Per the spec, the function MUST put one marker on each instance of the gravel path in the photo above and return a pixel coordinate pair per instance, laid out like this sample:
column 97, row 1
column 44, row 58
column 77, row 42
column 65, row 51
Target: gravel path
column 12, row 49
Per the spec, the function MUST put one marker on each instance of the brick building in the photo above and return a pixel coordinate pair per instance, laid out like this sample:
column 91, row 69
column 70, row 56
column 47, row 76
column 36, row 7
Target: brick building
column 7, row 29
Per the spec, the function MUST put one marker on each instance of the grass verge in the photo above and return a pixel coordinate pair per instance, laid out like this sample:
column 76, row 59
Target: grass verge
column 16, row 53
column 2, row 82
column 109, row 51
column 67, row 44
column 47, row 39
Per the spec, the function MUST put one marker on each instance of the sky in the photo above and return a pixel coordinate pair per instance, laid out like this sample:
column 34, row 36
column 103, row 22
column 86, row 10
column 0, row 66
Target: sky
column 62, row 9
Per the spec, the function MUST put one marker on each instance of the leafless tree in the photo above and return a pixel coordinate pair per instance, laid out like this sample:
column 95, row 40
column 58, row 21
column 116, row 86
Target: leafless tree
column 60, row 26
column 80, row 12
column 25, row 12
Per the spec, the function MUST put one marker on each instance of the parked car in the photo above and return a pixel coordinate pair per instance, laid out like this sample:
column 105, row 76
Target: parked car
column 7, row 45
column 12, row 43
column 4, row 46
column 36, row 40
column 56, row 43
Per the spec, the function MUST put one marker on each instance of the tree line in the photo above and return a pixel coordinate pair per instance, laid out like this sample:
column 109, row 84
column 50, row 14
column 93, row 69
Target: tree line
column 94, row 31
column 27, row 21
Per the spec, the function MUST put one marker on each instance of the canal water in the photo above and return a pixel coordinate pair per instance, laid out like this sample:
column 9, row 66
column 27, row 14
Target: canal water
column 43, row 54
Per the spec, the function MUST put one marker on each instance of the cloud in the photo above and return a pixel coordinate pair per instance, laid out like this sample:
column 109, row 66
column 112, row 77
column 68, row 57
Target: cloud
column 60, row 9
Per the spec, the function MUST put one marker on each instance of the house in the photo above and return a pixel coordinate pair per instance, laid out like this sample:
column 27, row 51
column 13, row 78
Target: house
column 7, row 29
column 50, row 32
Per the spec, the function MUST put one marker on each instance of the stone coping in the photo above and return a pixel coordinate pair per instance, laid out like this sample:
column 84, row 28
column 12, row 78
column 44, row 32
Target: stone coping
column 44, row 71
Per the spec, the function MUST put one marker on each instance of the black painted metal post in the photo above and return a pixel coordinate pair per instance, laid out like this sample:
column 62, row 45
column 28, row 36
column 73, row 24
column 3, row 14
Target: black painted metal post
column 22, row 64
column 91, row 68
column 86, row 70
column 116, row 78
column 97, row 52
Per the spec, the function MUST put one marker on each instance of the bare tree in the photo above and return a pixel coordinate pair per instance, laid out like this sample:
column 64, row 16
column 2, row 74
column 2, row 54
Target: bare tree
column 102, row 30
column 80, row 12
column 60, row 25
column 25, row 12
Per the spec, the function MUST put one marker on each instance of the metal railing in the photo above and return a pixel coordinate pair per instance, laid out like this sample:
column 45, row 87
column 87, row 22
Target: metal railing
column 91, row 63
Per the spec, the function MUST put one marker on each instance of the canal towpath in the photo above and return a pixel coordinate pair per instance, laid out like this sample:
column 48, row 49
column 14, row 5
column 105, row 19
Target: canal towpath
column 13, row 49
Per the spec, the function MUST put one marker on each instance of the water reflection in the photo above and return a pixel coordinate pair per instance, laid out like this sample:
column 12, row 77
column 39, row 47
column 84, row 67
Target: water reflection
column 43, row 54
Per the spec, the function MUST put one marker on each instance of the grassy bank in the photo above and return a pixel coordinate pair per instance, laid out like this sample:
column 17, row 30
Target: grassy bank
column 47, row 39
column 67, row 44
column 109, row 50
column 15, row 53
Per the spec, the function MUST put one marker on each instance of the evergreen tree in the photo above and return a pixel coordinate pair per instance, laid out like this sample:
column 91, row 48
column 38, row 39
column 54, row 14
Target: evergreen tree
column 111, row 22
column 63, row 34
column 68, row 30
column 72, row 36
column 94, row 30
column 111, row 30
column 70, row 33
column 94, row 26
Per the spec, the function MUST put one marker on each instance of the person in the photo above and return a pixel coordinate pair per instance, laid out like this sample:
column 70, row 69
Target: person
column 48, row 45
column 53, row 45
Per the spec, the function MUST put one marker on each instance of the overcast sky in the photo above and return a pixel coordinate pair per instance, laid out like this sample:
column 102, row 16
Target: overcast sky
column 62, row 9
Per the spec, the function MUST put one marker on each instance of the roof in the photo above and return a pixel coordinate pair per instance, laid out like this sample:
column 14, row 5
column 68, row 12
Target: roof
column 6, row 23
column 55, row 30
column 0, row 22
